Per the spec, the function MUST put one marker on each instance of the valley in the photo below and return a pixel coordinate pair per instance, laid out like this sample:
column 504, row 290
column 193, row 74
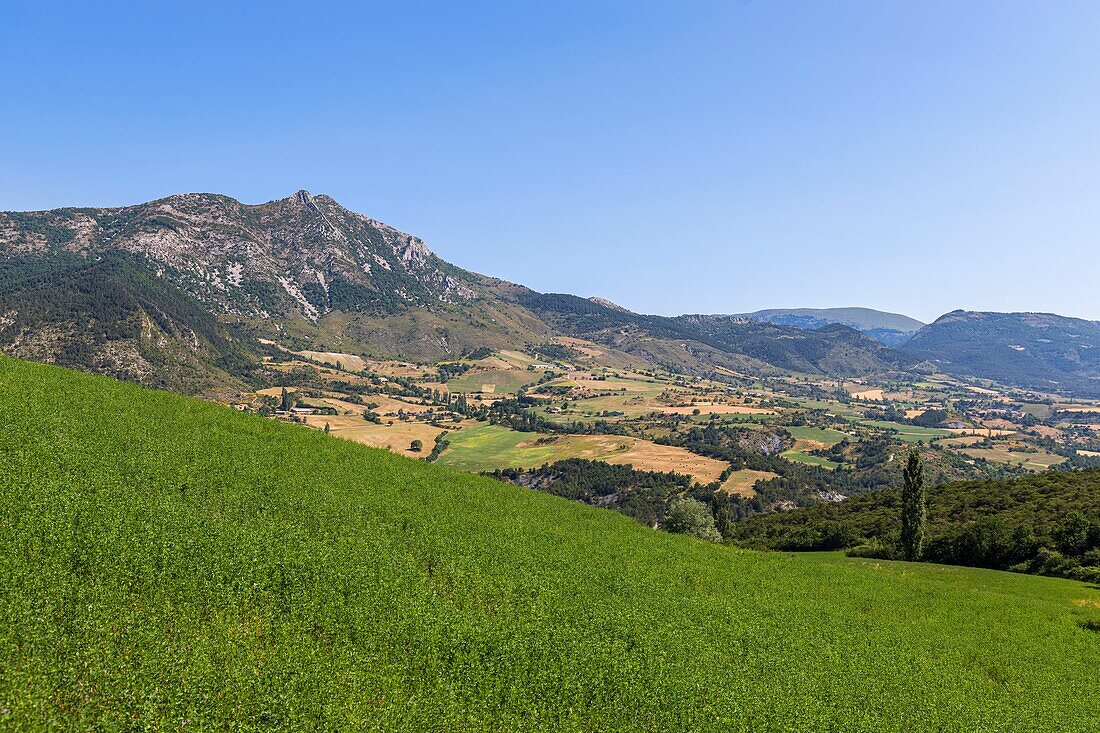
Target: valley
column 748, row 443
column 303, row 311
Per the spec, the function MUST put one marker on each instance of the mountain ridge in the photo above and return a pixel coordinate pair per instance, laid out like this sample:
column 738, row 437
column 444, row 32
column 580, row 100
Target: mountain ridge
column 892, row 329
column 307, row 271
column 311, row 274
column 1039, row 351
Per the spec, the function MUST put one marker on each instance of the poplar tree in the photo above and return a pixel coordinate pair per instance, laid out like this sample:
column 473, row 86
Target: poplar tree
column 913, row 511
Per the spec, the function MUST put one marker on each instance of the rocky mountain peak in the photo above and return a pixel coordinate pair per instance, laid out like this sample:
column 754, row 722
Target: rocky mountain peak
column 303, row 254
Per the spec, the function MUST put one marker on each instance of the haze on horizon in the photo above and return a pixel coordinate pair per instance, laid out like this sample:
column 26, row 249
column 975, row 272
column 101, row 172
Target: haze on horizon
column 708, row 158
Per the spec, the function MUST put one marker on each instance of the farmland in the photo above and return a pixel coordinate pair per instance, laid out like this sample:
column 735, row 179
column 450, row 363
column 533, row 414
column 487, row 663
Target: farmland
column 490, row 447
column 209, row 569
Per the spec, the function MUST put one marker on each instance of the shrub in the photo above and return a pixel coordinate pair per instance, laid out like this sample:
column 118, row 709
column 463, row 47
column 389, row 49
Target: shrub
column 691, row 517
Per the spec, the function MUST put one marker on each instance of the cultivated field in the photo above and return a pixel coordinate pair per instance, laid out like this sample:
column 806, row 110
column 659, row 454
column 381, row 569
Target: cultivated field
column 742, row 482
column 485, row 447
column 332, row 358
column 397, row 437
column 1002, row 453
column 492, row 381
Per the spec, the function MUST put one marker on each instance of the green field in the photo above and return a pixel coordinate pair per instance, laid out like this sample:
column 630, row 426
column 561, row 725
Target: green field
column 821, row 435
column 169, row 564
column 908, row 433
column 485, row 447
column 812, row 460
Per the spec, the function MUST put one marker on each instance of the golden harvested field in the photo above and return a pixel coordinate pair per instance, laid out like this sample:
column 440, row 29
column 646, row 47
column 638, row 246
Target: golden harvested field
column 647, row 456
column 328, row 372
column 963, row 440
column 982, row 390
column 400, row 368
column 507, row 359
column 1001, row 454
column 386, row 404
column 275, row 391
column 397, row 437
column 616, row 385
column 708, row 408
column 348, row 361
column 1077, row 408
column 742, row 482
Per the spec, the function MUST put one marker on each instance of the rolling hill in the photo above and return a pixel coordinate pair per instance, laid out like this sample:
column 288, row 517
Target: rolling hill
column 169, row 563
column 1039, row 351
column 201, row 279
column 698, row 343
column 892, row 329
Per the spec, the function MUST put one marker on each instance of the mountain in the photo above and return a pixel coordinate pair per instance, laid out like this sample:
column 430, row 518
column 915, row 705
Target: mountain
column 699, row 343
column 170, row 564
column 309, row 273
column 1039, row 351
column 302, row 270
column 892, row 329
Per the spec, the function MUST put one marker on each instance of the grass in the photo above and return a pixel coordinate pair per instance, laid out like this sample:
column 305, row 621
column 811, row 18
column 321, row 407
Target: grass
column 908, row 433
column 807, row 458
column 170, row 564
column 825, row 436
column 485, row 447
column 1001, row 453
column 504, row 381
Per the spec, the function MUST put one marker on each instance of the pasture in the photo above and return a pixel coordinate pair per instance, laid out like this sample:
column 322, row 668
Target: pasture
column 492, row 381
column 909, row 433
column 811, row 460
column 1002, row 452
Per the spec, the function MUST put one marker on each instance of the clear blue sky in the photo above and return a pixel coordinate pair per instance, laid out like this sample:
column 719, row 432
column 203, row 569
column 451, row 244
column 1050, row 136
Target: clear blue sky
column 673, row 157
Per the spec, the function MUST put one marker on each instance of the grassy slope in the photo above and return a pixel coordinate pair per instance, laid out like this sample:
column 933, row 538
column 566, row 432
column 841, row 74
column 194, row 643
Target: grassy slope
column 165, row 560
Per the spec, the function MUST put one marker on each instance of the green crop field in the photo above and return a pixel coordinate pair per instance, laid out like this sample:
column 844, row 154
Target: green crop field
column 486, row 447
column 504, row 381
column 909, row 433
column 812, row 460
column 821, row 435
column 168, row 564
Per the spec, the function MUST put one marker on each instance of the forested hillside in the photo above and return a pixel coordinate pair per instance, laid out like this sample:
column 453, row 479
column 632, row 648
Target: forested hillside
column 1047, row 523
column 1040, row 351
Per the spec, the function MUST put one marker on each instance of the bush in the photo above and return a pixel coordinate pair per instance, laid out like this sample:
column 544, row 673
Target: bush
column 875, row 549
column 691, row 517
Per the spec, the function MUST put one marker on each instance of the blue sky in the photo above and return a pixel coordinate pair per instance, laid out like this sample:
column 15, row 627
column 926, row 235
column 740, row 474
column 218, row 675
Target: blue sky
column 673, row 157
